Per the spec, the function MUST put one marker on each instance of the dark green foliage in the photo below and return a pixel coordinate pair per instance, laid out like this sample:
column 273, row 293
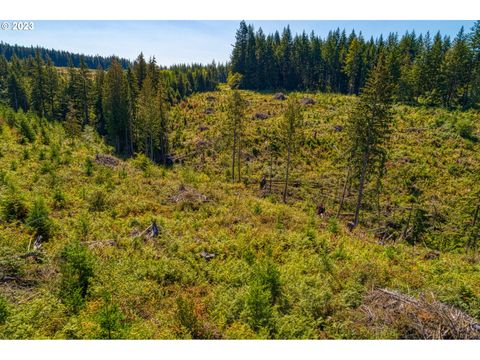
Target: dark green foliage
column 4, row 311
column 369, row 128
column 88, row 167
column 38, row 219
column 264, row 292
column 267, row 276
column 465, row 129
column 76, row 270
column 420, row 225
column 111, row 319
column 14, row 206
column 26, row 129
column 436, row 73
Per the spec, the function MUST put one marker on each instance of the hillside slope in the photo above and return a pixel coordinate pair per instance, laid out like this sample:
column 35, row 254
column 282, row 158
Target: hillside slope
column 227, row 261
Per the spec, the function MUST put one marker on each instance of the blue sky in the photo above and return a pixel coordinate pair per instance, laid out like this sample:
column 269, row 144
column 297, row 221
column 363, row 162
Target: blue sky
column 190, row 41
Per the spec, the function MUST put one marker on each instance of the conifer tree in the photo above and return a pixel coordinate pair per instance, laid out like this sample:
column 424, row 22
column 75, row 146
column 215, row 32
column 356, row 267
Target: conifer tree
column 52, row 88
column 132, row 94
column 291, row 134
column 151, row 121
column 16, row 91
column 456, row 72
column 3, row 78
column 98, row 101
column 73, row 126
column 84, row 89
column 250, row 81
column 369, row 129
column 39, row 96
column 354, row 63
column 140, row 69
column 474, row 42
column 115, row 107
column 237, row 60
column 235, row 117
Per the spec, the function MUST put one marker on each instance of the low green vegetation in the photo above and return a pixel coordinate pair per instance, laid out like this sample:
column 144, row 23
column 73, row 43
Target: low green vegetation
column 135, row 250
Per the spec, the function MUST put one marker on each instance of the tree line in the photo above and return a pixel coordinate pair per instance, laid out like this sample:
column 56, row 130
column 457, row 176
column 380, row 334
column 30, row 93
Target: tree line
column 59, row 58
column 433, row 70
column 128, row 106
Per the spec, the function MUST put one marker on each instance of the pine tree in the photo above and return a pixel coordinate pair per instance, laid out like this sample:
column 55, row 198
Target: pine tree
column 291, row 134
column 369, row 129
column 3, row 78
column 354, row 64
column 250, row 81
column 151, row 121
column 39, row 96
column 52, row 88
column 261, row 73
column 456, row 71
column 16, row 91
column 140, row 69
column 235, row 116
column 237, row 59
column 115, row 107
column 98, row 101
column 132, row 94
column 286, row 63
column 84, row 89
column 73, row 126
column 474, row 42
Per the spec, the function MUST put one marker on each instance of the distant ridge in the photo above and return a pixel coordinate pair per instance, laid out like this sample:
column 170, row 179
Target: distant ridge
column 59, row 57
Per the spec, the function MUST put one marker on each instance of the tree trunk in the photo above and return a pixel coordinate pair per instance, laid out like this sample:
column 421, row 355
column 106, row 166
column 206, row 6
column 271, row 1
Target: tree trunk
column 286, row 175
column 234, row 148
column 405, row 230
column 360, row 189
column 342, row 199
column 239, row 151
column 271, row 171
column 131, row 136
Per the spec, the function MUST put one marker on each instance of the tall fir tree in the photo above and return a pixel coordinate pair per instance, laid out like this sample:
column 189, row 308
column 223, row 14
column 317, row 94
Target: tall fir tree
column 39, row 89
column 369, row 127
column 291, row 134
column 115, row 108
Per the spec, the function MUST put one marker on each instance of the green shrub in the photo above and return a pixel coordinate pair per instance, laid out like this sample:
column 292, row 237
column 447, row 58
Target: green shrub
column 267, row 276
column 4, row 311
column 98, row 201
column 76, row 273
column 465, row 128
column 143, row 163
column 333, row 225
column 83, row 227
column 258, row 310
column 185, row 317
column 59, row 200
column 41, row 155
column 14, row 206
column 38, row 219
column 88, row 167
column 26, row 130
column 111, row 319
